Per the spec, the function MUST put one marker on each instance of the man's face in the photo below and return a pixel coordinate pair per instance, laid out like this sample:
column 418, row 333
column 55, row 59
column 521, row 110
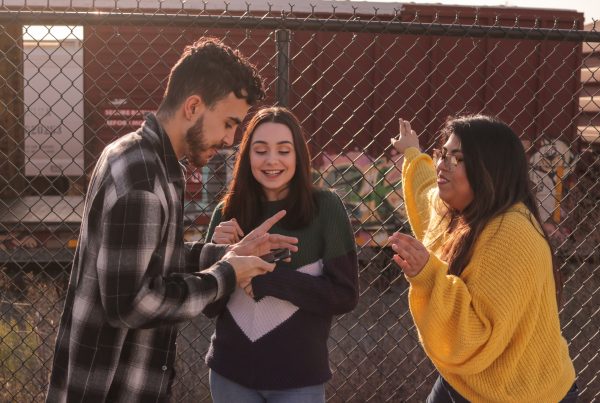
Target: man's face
column 214, row 129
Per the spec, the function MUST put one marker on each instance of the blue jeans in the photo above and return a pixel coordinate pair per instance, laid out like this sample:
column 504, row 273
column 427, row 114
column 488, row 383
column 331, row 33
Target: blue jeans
column 223, row 390
column 442, row 392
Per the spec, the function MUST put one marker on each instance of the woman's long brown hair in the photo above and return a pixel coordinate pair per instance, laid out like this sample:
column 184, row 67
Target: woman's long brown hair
column 245, row 197
column 498, row 172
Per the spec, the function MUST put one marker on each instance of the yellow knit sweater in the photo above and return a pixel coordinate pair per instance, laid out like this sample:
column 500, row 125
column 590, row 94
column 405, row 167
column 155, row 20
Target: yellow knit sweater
column 493, row 333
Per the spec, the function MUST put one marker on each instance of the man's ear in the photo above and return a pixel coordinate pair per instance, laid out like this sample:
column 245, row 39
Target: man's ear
column 193, row 107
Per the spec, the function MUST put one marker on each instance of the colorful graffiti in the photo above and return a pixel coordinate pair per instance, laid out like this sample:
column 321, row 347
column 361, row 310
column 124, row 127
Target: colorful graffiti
column 551, row 164
column 370, row 188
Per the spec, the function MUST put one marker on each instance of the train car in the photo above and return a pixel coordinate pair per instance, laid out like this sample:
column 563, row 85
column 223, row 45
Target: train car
column 69, row 96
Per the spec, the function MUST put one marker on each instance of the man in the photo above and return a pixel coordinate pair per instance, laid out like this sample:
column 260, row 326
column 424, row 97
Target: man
column 133, row 277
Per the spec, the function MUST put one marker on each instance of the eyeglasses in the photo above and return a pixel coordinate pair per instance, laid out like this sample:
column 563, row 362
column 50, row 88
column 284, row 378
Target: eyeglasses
column 450, row 160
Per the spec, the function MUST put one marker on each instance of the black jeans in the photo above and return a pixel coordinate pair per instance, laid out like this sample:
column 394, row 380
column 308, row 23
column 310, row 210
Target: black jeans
column 442, row 392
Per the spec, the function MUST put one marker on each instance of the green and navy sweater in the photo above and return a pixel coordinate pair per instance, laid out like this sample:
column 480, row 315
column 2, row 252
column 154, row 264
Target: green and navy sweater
column 279, row 339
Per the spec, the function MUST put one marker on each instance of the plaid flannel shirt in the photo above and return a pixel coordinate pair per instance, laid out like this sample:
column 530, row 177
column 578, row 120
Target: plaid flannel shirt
column 133, row 278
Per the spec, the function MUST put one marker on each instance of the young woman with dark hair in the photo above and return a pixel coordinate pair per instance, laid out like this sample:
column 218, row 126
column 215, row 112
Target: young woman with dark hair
column 270, row 341
column 483, row 287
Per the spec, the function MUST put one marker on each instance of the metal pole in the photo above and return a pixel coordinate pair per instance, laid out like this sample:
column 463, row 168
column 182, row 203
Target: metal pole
column 282, row 38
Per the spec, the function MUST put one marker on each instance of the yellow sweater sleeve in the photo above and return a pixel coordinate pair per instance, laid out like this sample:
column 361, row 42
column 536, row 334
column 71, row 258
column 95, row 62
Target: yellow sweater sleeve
column 466, row 323
column 418, row 180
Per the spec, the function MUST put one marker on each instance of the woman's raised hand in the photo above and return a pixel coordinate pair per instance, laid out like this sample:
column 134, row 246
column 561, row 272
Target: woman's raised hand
column 406, row 138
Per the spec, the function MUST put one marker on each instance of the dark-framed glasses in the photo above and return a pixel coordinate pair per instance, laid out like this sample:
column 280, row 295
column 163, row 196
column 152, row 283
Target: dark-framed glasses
column 450, row 160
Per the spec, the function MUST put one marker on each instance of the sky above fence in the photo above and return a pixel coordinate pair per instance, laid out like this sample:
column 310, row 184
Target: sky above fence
column 590, row 8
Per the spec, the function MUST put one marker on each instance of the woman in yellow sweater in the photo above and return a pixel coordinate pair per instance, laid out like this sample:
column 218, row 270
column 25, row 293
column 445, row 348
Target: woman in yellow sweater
column 483, row 290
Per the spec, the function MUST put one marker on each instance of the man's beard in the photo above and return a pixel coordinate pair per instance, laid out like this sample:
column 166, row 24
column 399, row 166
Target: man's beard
column 196, row 145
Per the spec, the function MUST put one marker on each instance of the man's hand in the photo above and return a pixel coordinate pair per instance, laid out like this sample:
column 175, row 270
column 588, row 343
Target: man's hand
column 407, row 137
column 259, row 242
column 247, row 287
column 247, row 267
column 228, row 232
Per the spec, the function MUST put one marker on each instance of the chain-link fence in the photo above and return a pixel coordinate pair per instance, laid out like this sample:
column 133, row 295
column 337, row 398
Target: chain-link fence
column 76, row 76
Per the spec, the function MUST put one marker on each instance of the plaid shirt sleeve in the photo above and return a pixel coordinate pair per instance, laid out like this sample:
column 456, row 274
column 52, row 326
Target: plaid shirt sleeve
column 134, row 289
column 205, row 253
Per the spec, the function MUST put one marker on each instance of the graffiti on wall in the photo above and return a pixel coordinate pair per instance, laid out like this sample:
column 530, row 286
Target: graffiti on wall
column 551, row 164
column 371, row 189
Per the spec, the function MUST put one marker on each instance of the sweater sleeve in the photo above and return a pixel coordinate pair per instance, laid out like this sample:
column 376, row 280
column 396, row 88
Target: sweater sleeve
column 466, row 322
column 215, row 220
column 334, row 292
column 418, row 180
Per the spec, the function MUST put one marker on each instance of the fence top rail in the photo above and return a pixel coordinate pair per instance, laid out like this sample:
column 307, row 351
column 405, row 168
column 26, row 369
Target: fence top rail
column 286, row 21
column 303, row 6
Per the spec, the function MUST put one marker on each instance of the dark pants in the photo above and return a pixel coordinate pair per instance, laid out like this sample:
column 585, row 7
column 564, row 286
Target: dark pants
column 442, row 392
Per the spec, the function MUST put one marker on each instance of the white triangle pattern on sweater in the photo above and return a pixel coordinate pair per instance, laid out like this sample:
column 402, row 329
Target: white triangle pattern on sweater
column 256, row 319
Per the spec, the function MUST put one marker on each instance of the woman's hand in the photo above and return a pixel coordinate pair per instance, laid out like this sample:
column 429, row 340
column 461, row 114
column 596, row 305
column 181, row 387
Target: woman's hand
column 411, row 255
column 228, row 232
column 407, row 137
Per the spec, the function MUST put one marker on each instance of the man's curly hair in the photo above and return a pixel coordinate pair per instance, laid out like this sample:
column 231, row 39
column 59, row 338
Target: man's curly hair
column 212, row 70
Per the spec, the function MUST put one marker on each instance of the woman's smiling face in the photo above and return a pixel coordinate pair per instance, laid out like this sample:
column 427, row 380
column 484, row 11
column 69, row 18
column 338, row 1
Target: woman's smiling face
column 273, row 159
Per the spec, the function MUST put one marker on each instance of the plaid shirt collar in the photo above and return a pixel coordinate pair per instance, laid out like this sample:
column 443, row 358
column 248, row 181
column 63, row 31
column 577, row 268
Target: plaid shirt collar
column 153, row 131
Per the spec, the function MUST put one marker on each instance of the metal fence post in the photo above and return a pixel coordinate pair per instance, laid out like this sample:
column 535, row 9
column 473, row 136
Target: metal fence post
column 12, row 131
column 282, row 37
